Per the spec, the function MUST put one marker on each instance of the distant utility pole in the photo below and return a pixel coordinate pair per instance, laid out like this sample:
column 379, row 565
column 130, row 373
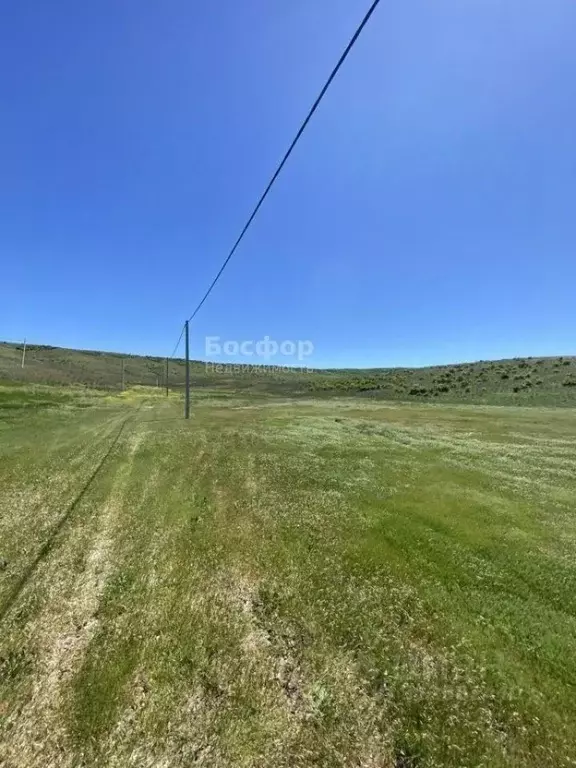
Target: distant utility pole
column 187, row 394
column 157, row 380
column 166, row 381
column 122, row 382
column 23, row 353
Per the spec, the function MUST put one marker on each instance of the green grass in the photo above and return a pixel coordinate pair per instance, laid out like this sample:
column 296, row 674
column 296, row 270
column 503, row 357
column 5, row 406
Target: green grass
column 523, row 381
column 336, row 582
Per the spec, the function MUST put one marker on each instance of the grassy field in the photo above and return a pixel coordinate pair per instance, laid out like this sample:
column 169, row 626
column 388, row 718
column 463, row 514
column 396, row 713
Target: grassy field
column 285, row 582
column 521, row 381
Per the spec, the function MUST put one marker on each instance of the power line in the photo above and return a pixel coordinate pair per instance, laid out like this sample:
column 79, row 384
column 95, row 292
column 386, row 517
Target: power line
column 333, row 74
column 177, row 343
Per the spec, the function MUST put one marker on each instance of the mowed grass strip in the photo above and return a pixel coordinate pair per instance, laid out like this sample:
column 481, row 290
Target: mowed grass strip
column 50, row 443
column 304, row 584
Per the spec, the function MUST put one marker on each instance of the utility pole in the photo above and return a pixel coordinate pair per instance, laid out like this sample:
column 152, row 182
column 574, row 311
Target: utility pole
column 122, row 384
column 187, row 394
column 23, row 353
column 166, row 382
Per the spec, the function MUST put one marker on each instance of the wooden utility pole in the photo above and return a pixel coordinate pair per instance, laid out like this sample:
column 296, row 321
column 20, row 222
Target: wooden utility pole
column 23, row 353
column 187, row 394
column 122, row 382
column 166, row 382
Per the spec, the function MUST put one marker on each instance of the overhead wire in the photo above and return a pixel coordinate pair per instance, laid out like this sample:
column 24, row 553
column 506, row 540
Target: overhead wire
column 301, row 130
column 177, row 343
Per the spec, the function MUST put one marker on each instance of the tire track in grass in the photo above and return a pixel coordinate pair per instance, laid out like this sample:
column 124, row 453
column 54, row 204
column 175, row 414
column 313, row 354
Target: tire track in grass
column 55, row 641
column 48, row 545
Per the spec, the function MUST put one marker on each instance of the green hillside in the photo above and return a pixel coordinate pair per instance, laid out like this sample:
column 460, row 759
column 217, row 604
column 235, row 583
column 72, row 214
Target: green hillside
column 522, row 381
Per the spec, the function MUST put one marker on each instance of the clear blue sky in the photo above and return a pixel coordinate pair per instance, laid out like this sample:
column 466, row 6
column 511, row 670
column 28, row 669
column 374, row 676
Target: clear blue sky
column 428, row 214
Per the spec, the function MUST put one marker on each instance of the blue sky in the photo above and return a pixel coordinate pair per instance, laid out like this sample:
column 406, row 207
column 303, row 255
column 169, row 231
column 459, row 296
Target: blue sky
column 428, row 214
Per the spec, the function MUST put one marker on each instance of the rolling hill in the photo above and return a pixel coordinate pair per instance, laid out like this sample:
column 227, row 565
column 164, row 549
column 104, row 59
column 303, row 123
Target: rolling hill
column 521, row 381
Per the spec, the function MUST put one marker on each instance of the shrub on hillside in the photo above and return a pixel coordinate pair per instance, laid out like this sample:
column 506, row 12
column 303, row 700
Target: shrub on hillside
column 421, row 391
